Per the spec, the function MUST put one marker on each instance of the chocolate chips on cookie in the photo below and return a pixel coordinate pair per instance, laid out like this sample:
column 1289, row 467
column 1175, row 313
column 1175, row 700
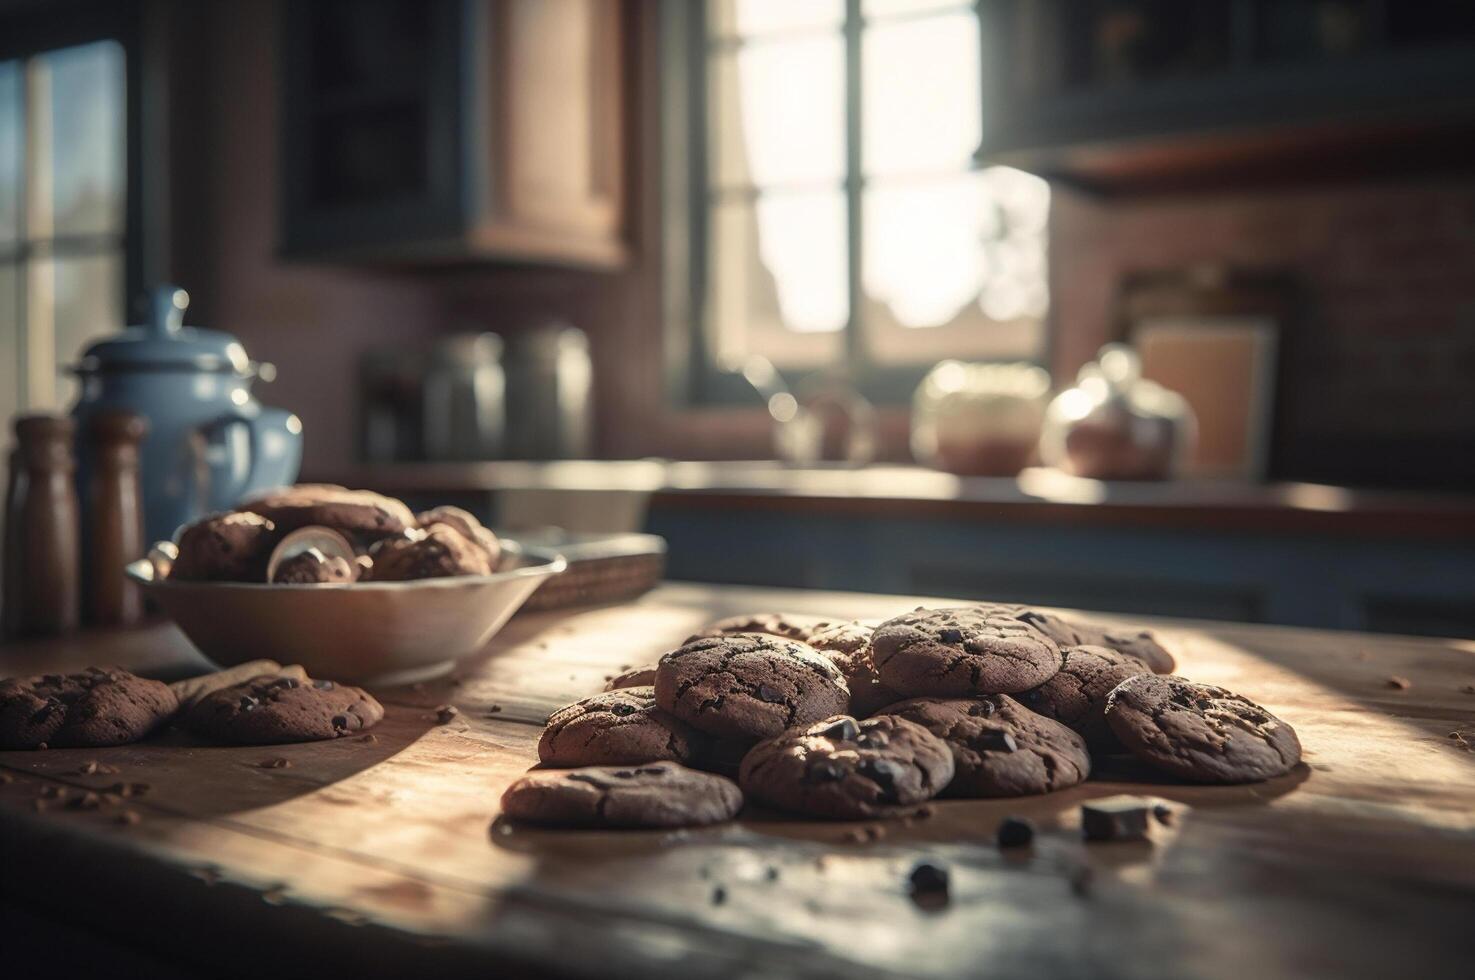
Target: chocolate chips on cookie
column 748, row 685
column 276, row 708
column 621, row 727
column 999, row 748
column 962, row 651
column 847, row 769
column 95, row 707
column 661, row 794
column 1200, row 732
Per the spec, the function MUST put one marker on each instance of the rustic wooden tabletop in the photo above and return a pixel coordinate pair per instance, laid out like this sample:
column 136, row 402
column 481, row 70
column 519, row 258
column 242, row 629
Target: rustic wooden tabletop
column 383, row 855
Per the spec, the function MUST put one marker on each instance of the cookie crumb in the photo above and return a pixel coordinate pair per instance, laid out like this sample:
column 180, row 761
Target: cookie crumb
column 771, row 874
column 87, row 801
column 1080, row 881
column 719, row 895
column 852, row 837
column 1399, row 683
column 1015, row 832
column 1115, row 818
column 1468, row 689
column 370, row 738
column 88, row 768
column 928, row 885
column 50, row 792
column 1164, row 814
column 127, row 818
column 277, row 763
column 873, row 832
column 926, row 812
column 446, row 713
column 42, row 746
column 494, row 709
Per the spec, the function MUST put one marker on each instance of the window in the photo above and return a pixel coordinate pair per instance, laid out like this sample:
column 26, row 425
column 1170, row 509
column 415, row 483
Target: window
column 63, row 202
column 838, row 222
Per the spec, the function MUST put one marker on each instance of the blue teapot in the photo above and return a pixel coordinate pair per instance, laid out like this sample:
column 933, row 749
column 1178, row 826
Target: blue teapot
column 209, row 442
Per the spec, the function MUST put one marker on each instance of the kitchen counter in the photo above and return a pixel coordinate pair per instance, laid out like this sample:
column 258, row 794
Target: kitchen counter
column 382, row 856
column 1038, row 496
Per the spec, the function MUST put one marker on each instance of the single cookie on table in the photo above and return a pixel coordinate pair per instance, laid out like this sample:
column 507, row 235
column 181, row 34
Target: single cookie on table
column 749, row 685
column 225, row 548
column 847, row 645
column 962, row 651
column 471, row 529
column 1139, row 644
column 661, row 794
column 440, row 551
column 617, row 728
column 1200, row 732
column 357, row 513
column 790, row 626
column 1076, row 697
column 96, row 707
column 643, row 676
column 848, row 769
column 276, row 708
column 999, row 748
column 312, row 567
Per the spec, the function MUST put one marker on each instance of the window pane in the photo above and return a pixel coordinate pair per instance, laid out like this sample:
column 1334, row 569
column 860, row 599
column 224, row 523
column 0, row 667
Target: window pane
column 728, row 18
column 920, row 95
column 70, row 302
column 10, row 356
column 778, row 113
column 79, row 148
column 778, row 283
column 956, row 267
column 11, row 121
column 894, row 8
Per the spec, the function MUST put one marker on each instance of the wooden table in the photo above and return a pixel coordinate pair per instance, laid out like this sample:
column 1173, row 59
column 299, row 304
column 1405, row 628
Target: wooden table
column 382, row 856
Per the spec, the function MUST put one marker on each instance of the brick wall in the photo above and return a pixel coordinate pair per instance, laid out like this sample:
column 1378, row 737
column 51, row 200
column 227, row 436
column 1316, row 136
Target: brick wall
column 1380, row 365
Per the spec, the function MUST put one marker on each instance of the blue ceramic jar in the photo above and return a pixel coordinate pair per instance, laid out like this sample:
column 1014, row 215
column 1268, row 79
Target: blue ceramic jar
column 209, row 441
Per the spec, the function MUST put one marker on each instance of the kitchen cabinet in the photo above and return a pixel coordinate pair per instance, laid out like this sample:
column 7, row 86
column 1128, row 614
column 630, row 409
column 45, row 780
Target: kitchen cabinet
column 1132, row 95
column 454, row 131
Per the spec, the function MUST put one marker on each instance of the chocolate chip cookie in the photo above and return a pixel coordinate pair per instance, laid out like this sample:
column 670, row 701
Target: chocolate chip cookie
column 225, row 548
column 662, row 794
column 790, row 626
column 1076, row 697
column 357, row 513
column 276, row 708
column 471, row 529
column 847, row 645
column 1200, row 732
column 848, row 769
column 1000, row 748
column 643, row 676
column 312, row 567
column 616, row 728
column 95, row 707
column 1140, row 644
column 440, row 551
column 749, row 685
column 962, row 651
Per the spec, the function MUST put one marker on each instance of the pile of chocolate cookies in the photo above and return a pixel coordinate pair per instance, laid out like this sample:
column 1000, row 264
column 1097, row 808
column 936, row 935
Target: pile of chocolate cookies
column 260, row 703
column 849, row 720
column 319, row 533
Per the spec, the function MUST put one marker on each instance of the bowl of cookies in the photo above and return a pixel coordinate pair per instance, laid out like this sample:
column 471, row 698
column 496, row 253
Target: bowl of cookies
column 349, row 583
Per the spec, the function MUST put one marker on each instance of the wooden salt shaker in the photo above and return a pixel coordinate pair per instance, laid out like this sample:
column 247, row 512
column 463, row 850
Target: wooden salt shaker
column 115, row 517
column 42, row 582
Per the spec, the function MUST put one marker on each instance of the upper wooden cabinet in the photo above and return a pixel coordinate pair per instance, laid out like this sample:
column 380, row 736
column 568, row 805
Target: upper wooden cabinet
column 454, row 130
column 1137, row 95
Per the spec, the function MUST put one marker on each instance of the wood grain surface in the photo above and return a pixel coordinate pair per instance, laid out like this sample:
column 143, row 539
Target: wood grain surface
column 382, row 855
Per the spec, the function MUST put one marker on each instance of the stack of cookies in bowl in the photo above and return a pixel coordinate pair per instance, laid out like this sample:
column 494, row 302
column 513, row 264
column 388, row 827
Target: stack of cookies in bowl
column 851, row 720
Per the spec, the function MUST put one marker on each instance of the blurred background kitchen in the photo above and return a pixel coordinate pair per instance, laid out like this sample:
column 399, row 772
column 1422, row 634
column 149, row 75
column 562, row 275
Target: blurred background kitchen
column 1135, row 305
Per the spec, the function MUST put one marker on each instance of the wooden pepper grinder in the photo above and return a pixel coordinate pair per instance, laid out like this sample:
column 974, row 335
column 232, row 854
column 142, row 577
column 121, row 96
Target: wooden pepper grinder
column 42, row 590
column 115, row 516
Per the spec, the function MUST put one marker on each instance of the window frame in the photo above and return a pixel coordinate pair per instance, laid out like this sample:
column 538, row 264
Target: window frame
column 693, row 376
column 28, row 33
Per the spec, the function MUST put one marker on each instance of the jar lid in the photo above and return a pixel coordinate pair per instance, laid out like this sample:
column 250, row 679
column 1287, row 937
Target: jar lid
column 166, row 344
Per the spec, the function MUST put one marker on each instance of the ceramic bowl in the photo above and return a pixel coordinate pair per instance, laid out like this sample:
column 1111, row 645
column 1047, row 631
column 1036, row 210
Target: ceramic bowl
column 380, row 633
